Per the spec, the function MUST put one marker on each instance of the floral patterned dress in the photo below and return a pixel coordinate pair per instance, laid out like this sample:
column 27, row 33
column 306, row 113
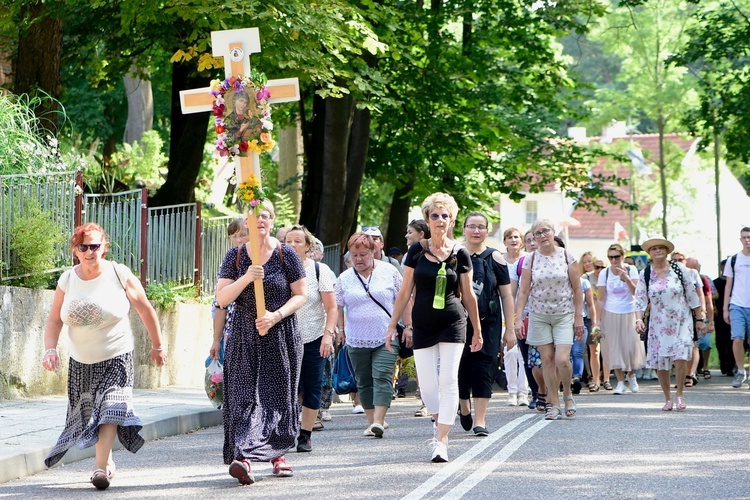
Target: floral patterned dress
column 670, row 329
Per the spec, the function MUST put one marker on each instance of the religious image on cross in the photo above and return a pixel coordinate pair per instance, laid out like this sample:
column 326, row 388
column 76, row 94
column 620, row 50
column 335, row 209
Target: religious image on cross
column 235, row 46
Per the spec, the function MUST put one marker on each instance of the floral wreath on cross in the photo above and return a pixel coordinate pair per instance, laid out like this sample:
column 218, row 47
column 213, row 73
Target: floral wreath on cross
column 252, row 132
column 250, row 194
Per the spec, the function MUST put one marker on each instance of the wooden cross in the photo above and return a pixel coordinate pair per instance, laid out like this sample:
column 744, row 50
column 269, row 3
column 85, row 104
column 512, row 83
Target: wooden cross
column 235, row 46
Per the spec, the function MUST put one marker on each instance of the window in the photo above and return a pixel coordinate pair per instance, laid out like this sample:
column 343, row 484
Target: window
column 531, row 211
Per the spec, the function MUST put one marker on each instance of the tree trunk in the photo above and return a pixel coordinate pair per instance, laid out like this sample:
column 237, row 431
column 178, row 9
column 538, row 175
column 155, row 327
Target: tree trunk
column 339, row 116
column 291, row 164
column 140, row 108
column 399, row 215
column 359, row 143
column 187, row 138
column 314, row 137
column 663, row 175
column 37, row 65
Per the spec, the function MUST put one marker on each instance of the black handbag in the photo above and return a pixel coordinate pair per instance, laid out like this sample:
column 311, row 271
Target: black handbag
column 403, row 351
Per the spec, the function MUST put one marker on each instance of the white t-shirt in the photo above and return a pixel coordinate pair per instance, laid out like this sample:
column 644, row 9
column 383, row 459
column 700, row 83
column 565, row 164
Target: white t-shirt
column 619, row 299
column 741, row 280
column 585, row 285
column 366, row 323
column 311, row 317
column 97, row 314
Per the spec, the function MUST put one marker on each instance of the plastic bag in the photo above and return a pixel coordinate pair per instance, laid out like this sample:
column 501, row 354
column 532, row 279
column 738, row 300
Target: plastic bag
column 343, row 373
column 214, row 383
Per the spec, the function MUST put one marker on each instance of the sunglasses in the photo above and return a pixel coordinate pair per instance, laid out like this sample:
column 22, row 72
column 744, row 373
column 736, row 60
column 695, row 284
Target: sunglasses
column 85, row 248
column 436, row 216
column 367, row 228
column 614, row 257
column 600, row 267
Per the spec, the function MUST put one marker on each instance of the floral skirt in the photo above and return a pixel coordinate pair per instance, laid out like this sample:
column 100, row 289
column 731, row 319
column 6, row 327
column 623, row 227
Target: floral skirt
column 99, row 393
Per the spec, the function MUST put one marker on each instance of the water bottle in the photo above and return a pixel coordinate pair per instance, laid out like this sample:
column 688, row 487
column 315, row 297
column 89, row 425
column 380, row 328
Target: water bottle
column 440, row 281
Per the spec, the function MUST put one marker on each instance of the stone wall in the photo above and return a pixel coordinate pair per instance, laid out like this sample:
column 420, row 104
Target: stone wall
column 186, row 334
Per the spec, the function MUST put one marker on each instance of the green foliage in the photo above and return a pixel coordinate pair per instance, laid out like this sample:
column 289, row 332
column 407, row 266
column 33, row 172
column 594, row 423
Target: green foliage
column 285, row 214
column 373, row 202
column 142, row 162
column 165, row 296
column 22, row 148
column 35, row 238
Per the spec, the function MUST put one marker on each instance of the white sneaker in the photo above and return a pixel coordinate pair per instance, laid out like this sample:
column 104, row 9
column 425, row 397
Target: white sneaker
column 633, row 383
column 523, row 400
column 620, row 389
column 439, row 451
column 325, row 415
column 654, row 375
column 368, row 432
column 358, row 409
column 512, row 400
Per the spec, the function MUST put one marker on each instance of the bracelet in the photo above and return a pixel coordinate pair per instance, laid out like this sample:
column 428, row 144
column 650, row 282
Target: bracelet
column 408, row 327
column 281, row 314
column 341, row 328
column 51, row 350
column 157, row 350
column 326, row 330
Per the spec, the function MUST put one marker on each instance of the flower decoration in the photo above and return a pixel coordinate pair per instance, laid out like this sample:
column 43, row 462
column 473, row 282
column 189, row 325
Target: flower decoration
column 251, row 194
column 250, row 128
column 214, row 385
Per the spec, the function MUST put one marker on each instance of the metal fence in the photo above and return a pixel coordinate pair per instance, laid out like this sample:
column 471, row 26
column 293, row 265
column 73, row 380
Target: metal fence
column 167, row 245
column 120, row 214
column 215, row 245
column 173, row 238
column 53, row 193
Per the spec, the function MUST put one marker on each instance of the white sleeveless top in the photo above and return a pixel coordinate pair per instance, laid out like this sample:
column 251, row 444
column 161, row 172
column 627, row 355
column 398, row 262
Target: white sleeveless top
column 97, row 314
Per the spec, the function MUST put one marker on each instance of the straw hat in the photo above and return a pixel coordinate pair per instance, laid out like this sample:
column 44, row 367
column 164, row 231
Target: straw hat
column 646, row 245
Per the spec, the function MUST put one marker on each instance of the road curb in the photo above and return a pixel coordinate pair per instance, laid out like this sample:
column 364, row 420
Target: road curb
column 31, row 462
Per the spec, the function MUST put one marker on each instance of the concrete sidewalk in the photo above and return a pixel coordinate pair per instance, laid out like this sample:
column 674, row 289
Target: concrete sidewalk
column 30, row 427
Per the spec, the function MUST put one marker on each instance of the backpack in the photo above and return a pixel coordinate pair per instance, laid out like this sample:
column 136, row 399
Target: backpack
column 485, row 284
column 343, row 373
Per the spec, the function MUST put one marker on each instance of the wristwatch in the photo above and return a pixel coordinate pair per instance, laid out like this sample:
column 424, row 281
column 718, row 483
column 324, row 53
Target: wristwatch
column 705, row 319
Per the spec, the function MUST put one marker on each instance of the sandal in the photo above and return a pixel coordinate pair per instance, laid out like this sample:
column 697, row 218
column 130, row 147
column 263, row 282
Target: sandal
column 681, row 403
column 667, row 406
column 706, row 374
column 422, row 412
column 541, row 402
column 318, row 426
column 691, row 380
column 100, row 479
column 570, row 411
column 281, row 468
column 240, row 470
column 553, row 413
column 607, row 385
column 593, row 388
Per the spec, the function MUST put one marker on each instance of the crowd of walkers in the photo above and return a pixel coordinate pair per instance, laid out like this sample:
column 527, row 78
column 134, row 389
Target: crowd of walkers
column 550, row 321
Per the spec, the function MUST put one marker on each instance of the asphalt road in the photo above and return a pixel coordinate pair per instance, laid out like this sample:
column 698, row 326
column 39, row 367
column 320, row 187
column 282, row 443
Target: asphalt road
column 616, row 447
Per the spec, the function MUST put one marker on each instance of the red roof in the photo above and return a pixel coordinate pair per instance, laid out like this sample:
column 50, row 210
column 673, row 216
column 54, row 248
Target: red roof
column 602, row 226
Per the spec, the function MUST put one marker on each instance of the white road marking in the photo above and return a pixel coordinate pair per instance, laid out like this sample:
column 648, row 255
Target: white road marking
column 456, row 465
column 490, row 465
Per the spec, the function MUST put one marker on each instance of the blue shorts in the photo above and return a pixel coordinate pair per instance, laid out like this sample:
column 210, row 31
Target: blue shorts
column 739, row 321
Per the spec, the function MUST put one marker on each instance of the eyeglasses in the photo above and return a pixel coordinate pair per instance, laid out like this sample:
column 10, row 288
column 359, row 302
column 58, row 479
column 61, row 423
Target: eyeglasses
column 542, row 232
column 264, row 216
column 436, row 216
column 474, row 227
column 614, row 257
column 85, row 248
column 599, row 267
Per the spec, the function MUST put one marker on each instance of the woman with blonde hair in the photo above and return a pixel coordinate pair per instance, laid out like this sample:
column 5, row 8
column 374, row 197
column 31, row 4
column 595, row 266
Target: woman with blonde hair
column 261, row 421
column 551, row 283
column 513, row 239
column 439, row 274
column 317, row 320
column 621, row 346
